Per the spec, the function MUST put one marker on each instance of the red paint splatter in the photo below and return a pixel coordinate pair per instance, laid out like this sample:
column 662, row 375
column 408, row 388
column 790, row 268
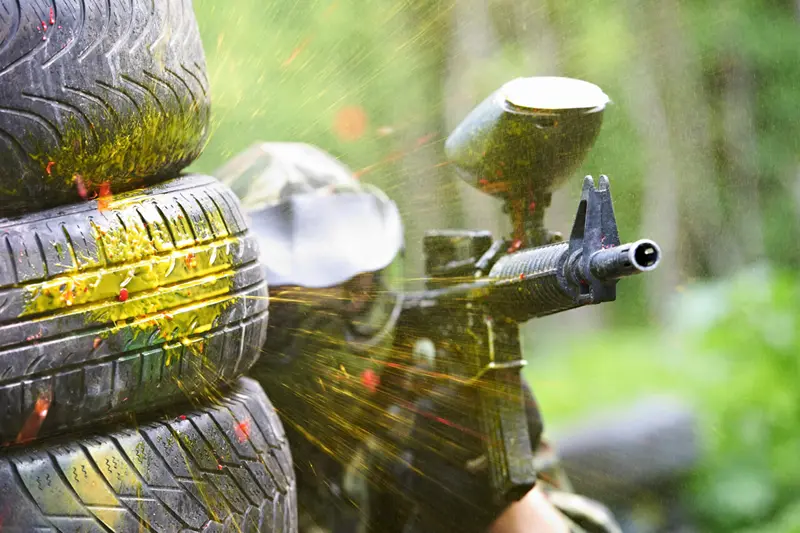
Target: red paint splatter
column 219, row 467
column 123, row 294
column 190, row 260
column 104, row 196
column 67, row 295
column 182, row 417
column 516, row 245
column 522, row 276
column 80, row 186
column 44, row 26
column 444, row 421
column 52, row 17
column 96, row 343
column 34, row 422
column 49, row 168
column 370, row 380
column 350, row 123
column 242, row 430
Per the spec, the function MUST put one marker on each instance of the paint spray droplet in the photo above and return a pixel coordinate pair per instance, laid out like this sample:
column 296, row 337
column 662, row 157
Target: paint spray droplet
column 425, row 139
column 350, row 123
column 80, row 186
column 34, row 422
column 242, row 431
column 52, row 17
column 49, row 168
column 370, row 380
column 182, row 417
column 296, row 52
column 123, row 294
column 104, row 196
column 190, row 260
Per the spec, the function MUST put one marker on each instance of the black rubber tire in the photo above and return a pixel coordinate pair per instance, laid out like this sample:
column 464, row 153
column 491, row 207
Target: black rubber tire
column 225, row 467
column 194, row 312
column 112, row 91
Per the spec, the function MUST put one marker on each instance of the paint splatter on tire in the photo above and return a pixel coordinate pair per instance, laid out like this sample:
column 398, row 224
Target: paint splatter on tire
column 97, row 94
column 154, row 298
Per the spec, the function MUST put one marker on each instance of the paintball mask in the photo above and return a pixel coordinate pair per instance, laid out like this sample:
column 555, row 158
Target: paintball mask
column 331, row 250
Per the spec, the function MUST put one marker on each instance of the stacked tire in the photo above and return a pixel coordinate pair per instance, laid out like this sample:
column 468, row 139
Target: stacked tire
column 131, row 296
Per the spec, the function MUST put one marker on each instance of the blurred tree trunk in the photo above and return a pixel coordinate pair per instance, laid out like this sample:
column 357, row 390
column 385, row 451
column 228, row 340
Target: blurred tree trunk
column 796, row 184
column 660, row 219
column 740, row 153
column 681, row 207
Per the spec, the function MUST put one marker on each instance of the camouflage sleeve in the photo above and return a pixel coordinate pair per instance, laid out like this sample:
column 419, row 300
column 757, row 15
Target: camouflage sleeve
column 582, row 514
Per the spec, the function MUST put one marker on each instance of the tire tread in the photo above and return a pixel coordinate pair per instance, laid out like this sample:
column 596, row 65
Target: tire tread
column 56, row 352
column 98, row 67
column 184, row 473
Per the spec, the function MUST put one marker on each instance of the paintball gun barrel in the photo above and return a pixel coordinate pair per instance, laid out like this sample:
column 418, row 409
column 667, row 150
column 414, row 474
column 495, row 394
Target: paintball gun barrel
column 540, row 281
column 518, row 144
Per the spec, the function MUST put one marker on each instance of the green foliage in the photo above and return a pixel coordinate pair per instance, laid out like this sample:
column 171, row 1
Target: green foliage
column 756, row 468
column 281, row 71
column 731, row 350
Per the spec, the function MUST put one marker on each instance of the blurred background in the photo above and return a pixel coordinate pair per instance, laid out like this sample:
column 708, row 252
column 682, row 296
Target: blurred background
column 701, row 146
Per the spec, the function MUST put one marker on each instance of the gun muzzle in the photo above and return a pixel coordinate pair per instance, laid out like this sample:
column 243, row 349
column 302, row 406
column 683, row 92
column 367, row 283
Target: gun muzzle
column 625, row 260
column 550, row 279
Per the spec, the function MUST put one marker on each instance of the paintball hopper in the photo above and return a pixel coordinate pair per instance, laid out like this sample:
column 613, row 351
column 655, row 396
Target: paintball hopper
column 529, row 135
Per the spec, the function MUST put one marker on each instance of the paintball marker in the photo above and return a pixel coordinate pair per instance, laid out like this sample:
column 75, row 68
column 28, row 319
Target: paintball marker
column 518, row 145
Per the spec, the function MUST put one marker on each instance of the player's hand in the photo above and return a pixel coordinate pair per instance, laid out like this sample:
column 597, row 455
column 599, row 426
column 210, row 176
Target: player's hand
column 532, row 514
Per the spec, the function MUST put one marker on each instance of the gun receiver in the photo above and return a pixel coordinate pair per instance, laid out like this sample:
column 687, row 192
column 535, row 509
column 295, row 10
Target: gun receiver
column 518, row 144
